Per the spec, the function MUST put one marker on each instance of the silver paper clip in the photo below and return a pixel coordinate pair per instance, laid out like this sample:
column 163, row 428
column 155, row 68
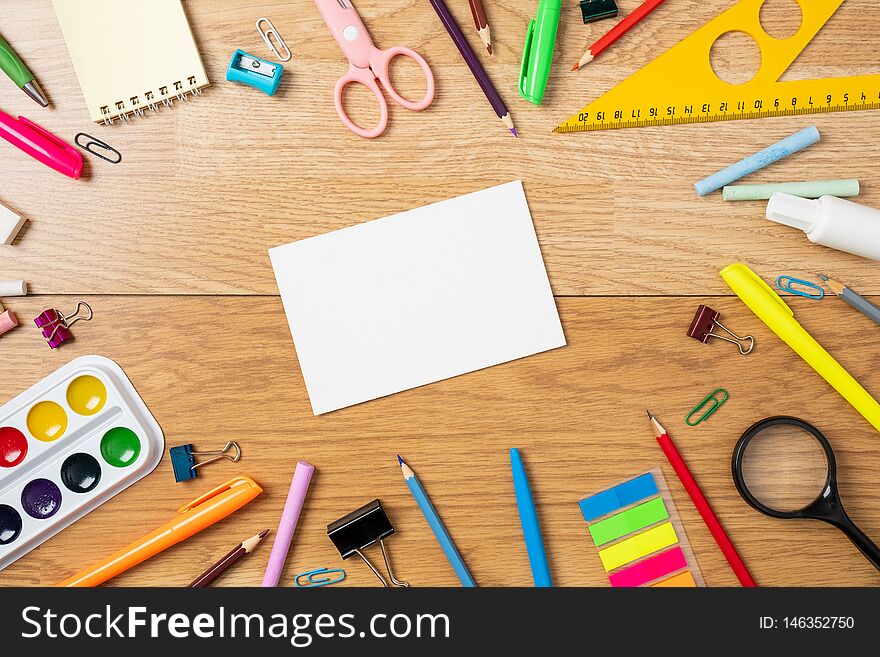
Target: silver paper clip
column 268, row 33
column 88, row 142
column 314, row 578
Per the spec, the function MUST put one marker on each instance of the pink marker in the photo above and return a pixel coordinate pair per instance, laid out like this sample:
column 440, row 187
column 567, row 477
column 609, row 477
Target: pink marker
column 41, row 145
column 302, row 477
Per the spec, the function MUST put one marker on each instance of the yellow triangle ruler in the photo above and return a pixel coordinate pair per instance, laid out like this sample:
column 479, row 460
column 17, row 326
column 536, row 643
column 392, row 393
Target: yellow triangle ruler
column 681, row 87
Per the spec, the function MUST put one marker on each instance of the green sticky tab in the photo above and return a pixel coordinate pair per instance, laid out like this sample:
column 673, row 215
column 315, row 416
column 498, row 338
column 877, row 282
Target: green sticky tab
column 628, row 521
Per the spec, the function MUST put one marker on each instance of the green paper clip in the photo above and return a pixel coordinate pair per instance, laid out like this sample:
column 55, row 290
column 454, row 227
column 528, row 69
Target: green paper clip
column 715, row 402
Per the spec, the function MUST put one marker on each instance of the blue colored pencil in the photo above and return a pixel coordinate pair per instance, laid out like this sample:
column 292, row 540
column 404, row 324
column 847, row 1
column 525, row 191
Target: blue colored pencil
column 528, row 516
column 436, row 525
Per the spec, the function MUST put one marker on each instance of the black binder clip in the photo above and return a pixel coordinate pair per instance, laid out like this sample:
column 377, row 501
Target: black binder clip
column 594, row 10
column 359, row 530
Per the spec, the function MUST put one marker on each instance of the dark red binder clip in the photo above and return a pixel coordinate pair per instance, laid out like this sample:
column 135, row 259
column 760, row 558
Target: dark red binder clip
column 705, row 321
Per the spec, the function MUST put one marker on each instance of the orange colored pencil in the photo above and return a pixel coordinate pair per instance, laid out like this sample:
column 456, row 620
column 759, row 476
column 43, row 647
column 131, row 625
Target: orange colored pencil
column 618, row 31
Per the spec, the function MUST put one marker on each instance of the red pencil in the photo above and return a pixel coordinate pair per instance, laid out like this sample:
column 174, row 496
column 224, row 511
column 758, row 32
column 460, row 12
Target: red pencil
column 618, row 31
column 699, row 500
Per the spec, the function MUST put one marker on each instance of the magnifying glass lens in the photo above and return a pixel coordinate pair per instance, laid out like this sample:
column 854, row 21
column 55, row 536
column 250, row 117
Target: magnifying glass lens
column 785, row 468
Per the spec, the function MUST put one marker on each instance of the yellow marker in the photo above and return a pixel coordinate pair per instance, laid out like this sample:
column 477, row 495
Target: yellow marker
column 774, row 312
column 638, row 546
column 681, row 87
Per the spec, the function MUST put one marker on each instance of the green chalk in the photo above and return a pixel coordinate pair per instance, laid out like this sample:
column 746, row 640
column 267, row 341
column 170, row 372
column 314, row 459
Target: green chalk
column 628, row 521
column 815, row 189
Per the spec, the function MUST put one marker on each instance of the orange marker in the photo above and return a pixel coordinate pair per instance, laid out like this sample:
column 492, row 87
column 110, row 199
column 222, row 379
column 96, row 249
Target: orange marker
column 202, row 512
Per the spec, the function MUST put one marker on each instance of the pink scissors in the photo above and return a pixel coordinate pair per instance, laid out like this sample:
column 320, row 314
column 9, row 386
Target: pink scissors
column 368, row 64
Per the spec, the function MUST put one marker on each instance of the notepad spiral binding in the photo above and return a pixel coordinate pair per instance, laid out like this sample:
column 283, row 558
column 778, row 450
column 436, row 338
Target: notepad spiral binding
column 138, row 106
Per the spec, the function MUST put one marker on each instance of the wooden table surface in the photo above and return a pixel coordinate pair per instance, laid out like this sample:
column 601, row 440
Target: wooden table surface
column 170, row 248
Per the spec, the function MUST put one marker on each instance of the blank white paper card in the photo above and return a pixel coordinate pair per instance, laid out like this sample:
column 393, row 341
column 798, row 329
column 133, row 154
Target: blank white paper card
column 417, row 297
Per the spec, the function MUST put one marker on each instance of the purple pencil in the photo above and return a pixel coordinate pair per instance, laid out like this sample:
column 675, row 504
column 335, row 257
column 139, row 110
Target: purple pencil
column 470, row 58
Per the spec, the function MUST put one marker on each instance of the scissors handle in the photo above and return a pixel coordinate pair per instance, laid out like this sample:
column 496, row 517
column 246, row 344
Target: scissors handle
column 380, row 61
column 362, row 76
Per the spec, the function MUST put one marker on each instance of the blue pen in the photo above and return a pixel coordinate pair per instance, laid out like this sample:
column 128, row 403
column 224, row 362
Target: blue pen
column 528, row 516
column 783, row 148
column 436, row 525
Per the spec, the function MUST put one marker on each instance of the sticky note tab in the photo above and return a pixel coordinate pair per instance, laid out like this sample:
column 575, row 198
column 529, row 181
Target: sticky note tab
column 682, row 580
column 660, row 565
column 618, row 497
column 629, row 521
column 638, row 546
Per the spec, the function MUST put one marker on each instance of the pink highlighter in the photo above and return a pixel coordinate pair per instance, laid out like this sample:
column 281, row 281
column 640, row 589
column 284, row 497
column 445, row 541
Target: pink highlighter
column 41, row 144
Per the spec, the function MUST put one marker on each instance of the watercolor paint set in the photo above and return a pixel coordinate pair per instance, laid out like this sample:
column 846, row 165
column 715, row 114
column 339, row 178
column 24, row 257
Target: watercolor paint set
column 639, row 534
column 67, row 445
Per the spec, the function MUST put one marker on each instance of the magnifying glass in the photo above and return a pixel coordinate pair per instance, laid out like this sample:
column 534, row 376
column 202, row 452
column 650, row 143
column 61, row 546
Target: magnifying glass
column 784, row 467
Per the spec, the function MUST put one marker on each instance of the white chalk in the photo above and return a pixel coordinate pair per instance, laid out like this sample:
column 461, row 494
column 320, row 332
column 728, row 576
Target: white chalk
column 13, row 288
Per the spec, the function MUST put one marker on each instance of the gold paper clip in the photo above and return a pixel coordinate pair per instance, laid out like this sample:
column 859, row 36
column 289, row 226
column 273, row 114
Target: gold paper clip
column 268, row 33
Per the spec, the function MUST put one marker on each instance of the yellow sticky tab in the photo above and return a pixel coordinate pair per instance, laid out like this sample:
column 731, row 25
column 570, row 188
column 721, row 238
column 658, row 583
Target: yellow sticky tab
column 638, row 546
column 682, row 580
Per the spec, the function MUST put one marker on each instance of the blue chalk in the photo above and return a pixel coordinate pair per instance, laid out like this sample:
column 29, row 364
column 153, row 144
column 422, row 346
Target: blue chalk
column 781, row 149
column 618, row 497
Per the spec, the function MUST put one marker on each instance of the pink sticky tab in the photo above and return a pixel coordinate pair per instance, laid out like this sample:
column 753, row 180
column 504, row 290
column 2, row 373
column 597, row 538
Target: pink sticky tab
column 649, row 569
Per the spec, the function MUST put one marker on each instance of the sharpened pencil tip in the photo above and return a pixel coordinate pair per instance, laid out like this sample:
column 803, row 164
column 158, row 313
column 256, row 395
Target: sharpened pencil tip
column 575, row 67
column 263, row 533
column 823, row 277
column 399, row 460
column 650, row 415
column 513, row 132
column 489, row 48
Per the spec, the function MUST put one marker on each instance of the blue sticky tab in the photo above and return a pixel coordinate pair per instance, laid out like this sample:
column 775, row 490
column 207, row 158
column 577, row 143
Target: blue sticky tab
column 618, row 497
column 182, row 462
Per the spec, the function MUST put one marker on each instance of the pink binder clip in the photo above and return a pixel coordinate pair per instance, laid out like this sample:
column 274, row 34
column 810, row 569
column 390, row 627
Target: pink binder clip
column 56, row 327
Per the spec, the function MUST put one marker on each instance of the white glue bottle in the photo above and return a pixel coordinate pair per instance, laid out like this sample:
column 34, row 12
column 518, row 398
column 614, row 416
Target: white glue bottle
column 831, row 222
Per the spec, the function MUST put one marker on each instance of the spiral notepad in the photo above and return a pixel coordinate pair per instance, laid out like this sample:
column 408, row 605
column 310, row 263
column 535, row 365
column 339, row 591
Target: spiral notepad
column 131, row 56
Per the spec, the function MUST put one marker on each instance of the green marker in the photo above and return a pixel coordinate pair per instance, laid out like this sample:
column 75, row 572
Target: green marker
column 538, row 52
column 19, row 73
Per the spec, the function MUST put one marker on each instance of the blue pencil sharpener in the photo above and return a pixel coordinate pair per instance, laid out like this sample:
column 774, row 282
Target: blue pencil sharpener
column 255, row 72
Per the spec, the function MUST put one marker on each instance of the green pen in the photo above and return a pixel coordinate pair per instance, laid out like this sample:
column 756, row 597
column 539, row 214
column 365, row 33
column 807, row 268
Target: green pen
column 19, row 73
column 538, row 52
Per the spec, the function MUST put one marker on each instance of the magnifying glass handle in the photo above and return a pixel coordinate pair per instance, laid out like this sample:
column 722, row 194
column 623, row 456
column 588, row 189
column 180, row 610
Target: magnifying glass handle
column 860, row 540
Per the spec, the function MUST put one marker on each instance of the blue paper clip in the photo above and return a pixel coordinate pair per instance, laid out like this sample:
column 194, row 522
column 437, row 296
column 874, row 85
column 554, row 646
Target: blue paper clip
column 785, row 284
column 312, row 580
column 255, row 72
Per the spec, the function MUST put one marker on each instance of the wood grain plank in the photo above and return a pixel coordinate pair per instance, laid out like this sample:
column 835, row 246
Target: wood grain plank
column 214, row 369
column 204, row 190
